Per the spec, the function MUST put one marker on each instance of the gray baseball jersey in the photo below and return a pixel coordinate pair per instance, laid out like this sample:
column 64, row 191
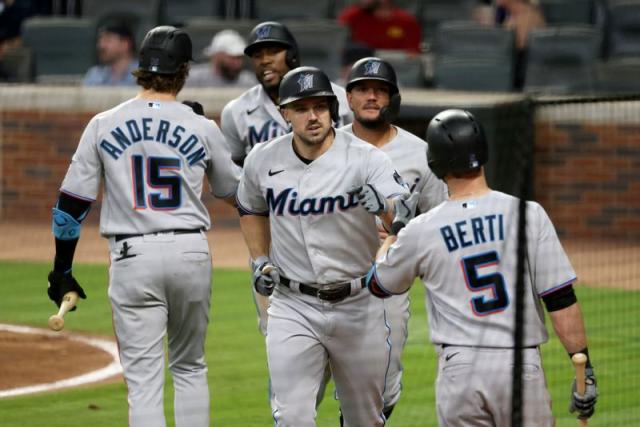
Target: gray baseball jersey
column 408, row 153
column 253, row 118
column 465, row 253
column 154, row 157
column 409, row 156
column 321, row 235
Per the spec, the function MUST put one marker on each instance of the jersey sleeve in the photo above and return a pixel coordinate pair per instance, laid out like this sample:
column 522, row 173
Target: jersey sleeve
column 383, row 176
column 432, row 193
column 344, row 111
column 83, row 176
column 396, row 270
column 249, row 197
column 552, row 269
column 223, row 175
column 229, row 128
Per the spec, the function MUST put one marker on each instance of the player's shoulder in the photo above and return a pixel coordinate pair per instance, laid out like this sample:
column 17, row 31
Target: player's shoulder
column 353, row 142
column 347, row 128
column 247, row 98
column 271, row 149
column 338, row 90
column 408, row 138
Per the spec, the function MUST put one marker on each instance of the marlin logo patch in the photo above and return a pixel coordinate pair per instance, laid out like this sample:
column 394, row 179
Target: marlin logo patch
column 263, row 32
column 371, row 68
column 305, row 81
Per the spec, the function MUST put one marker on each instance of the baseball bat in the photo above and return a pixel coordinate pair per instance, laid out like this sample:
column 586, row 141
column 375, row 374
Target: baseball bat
column 579, row 361
column 56, row 321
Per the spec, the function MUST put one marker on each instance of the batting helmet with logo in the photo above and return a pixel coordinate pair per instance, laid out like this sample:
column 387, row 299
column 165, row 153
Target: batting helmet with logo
column 372, row 68
column 457, row 143
column 305, row 82
column 272, row 32
column 164, row 49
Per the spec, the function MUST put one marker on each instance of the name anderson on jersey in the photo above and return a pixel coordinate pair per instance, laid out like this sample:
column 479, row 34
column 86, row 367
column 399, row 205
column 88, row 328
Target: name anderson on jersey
column 163, row 132
column 311, row 206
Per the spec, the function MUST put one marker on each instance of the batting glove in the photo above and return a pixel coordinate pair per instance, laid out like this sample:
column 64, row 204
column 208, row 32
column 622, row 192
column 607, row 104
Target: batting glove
column 60, row 284
column 265, row 276
column 370, row 199
column 585, row 405
column 405, row 209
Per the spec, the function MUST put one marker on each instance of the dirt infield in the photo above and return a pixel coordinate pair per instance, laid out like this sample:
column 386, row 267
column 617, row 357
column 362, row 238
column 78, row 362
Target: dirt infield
column 610, row 264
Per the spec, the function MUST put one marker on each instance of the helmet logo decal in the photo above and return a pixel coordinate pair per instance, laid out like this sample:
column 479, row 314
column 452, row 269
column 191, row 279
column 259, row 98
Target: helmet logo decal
column 473, row 161
column 263, row 32
column 305, row 81
column 371, row 68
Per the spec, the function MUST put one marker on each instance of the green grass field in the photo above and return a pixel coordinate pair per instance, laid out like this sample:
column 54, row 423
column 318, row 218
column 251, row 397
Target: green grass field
column 237, row 361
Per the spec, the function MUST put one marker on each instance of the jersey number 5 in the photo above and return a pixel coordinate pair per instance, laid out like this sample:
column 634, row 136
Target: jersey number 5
column 482, row 305
column 156, row 180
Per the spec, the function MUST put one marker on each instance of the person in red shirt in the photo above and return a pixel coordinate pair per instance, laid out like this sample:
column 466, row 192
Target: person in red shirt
column 381, row 24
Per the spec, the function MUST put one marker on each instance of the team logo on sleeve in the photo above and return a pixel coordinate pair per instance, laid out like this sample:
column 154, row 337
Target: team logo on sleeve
column 399, row 180
column 305, row 81
column 371, row 68
column 263, row 32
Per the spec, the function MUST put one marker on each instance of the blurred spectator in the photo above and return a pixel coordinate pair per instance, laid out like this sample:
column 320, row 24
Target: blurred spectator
column 521, row 16
column 116, row 57
column 226, row 63
column 352, row 52
column 381, row 24
column 12, row 13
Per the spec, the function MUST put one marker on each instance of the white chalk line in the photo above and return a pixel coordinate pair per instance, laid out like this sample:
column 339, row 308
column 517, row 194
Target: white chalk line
column 114, row 368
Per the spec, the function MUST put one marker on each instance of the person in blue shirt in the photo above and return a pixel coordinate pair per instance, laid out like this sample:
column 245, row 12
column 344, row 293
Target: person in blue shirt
column 116, row 46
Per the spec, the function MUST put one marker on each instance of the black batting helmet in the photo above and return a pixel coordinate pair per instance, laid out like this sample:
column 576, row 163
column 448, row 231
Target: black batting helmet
column 306, row 82
column 457, row 143
column 373, row 68
column 272, row 32
column 164, row 49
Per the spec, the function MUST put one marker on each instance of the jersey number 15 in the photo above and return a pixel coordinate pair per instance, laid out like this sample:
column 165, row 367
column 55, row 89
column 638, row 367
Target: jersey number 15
column 171, row 185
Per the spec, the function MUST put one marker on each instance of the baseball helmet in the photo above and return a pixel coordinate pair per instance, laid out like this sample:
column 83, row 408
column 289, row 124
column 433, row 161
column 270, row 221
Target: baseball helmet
column 306, row 82
column 164, row 49
column 457, row 143
column 372, row 68
column 274, row 32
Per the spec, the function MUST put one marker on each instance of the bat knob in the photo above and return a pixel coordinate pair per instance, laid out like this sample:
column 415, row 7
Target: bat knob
column 56, row 322
column 579, row 358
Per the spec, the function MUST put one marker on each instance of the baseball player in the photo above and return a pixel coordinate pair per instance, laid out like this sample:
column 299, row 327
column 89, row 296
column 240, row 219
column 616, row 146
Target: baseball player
column 153, row 153
column 307, row 201
column 374, row 98
column 465, row 252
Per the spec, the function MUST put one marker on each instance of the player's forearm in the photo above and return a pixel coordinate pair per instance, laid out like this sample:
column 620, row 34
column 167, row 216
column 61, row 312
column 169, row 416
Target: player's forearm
column 385, row 245
column 569, row 327
column 257, row 234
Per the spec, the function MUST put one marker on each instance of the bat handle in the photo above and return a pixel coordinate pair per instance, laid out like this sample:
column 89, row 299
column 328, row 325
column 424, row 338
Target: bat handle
column 56, row 322
column 579, row 362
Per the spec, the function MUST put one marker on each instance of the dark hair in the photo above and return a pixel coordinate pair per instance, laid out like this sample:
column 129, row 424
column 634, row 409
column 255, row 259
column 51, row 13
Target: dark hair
column 165, row 83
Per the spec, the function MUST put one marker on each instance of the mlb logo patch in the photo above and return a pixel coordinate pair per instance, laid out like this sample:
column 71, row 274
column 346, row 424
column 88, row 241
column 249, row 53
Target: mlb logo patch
column 305, row 81
column 155, row 105
column 154, row 62
column 263, row 32
column 371, row 68
column 473, row 161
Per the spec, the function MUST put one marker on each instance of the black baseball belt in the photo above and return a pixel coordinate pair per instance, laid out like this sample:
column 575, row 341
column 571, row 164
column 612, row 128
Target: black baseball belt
column 332, row 292
column 119, row 237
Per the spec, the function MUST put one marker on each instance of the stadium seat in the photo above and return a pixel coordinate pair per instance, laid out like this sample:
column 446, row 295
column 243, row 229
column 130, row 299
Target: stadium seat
column 202, row 30
column 321, row 44
column 623, row 29
column 618, row 76
column 140, row 15
column 558, row 12
column 409, row 69
column 562, row 59
column 470, row 56
column 18, row 63
column 177, row 12
column 267, row 10
column 60, row 45
column 413, row 6
column 434, row 12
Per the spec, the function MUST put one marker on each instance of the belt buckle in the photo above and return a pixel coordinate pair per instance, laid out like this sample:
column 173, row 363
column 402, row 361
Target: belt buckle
column 333, row 292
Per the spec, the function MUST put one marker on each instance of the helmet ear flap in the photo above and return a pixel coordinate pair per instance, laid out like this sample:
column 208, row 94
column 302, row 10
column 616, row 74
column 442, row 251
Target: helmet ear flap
column 292, row 59
column 334, row 110
column 390, row 112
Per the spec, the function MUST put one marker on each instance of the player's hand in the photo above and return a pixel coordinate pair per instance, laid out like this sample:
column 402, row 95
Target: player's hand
column 60, row 284
column 265, row 276
column 585, row 405
column 195, row 106
column 405, row 210
column 370, row 199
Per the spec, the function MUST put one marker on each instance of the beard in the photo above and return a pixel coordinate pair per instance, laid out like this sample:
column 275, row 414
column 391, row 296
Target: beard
column 314, row 140
column 229, row 73
column 372, row 124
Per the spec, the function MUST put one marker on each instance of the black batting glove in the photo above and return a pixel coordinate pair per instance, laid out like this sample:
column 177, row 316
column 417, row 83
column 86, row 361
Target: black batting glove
column 585, row 405
column 60, row 284
column 265, row 276
column 195, row 106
